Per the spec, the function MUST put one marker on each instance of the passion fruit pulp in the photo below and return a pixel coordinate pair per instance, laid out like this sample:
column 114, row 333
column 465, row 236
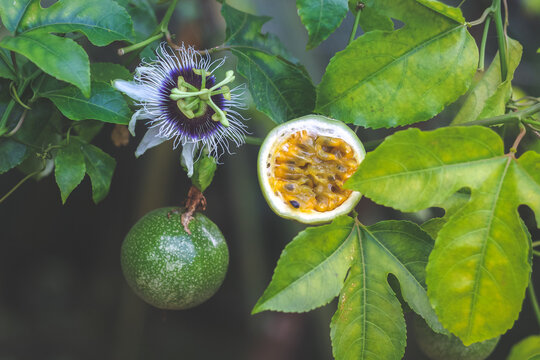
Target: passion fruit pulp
column 303, row 164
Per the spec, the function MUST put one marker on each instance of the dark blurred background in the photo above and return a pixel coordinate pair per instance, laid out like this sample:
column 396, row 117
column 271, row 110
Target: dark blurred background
column 62, row 294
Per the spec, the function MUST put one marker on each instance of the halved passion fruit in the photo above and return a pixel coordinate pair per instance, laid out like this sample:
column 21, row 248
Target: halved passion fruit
column 303, row 164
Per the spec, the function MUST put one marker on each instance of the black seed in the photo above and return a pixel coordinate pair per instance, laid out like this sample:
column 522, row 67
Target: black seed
column 295, row 204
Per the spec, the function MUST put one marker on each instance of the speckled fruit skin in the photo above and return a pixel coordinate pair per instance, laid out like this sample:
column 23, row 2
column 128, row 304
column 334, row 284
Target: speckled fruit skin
column 169, row 268
column 442, row 347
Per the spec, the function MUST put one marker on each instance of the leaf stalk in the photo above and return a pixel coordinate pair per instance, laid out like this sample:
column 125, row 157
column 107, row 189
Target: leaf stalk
column 521, row 115
column 356, row 22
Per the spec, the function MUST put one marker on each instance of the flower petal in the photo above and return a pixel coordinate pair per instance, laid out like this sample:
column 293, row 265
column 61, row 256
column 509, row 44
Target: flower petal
column 188, row 151
column 131, row 89
column 140, row 114
column 150, row 140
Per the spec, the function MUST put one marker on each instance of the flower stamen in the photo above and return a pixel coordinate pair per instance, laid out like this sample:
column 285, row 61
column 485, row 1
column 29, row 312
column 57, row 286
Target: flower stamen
column 193, row 102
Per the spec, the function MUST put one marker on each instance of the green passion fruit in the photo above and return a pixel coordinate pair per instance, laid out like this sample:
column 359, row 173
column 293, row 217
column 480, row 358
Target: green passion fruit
column 302, row 166
column 170, row 268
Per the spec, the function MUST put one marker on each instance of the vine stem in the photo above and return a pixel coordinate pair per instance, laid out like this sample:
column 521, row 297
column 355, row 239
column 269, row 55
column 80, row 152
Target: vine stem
column 520, row 115
column 356, row 22
column 501, row 37
column 19, row 184
column 534, row 301
column 536, row 243
column 128, row 49
column 481, row 60
column 162, row 29
column 11, row 104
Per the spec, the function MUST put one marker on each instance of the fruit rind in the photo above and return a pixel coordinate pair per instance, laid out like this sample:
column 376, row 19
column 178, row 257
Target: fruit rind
column 322, row 126
column 167, row 267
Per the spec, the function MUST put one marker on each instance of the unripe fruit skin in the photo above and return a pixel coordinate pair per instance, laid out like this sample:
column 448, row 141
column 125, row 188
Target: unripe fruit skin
column 169, row 268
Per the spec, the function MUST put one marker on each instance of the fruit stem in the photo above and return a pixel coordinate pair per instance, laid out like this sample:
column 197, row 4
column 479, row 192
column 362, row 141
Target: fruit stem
column 534, row 301
column 195, row 201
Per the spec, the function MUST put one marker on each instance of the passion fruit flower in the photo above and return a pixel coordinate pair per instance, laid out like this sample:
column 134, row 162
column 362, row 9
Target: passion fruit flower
column 181, row 100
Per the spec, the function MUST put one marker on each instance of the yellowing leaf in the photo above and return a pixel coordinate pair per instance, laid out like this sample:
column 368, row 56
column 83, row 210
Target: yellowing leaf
column 480, row 264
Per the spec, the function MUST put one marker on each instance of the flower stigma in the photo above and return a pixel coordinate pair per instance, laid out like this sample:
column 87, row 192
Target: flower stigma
column 193, row 102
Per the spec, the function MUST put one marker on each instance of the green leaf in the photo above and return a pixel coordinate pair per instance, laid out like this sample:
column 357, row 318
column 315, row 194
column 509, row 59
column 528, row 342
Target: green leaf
column 245, row 30
column 369, row 322
column 386, row 79
column 100, row 167
column 88, row 129
column 451, row 206
column 526, row 349
column 60, row 57
column 12, row 11
column 311, row 269
column 144, row 19
column 6, row 66
column 488, row 96
column 280, row 89
column 104, row 104
column 70, row 168
column 12, row 153
column 321, row 18
column 480, row 263
column 371, row 20
column 107, row 72
column 203, row 172
column 102, row 21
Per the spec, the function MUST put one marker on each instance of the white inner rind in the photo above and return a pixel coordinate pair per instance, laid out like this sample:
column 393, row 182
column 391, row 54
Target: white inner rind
column 321, row 126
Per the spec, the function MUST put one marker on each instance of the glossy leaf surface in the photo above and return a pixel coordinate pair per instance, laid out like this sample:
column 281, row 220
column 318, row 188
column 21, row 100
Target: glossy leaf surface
column 203, row 172
column 244, row 29
column 321, row 18
column 12, row 154
column 12, row 11
column 107, row 72
column 280, row 88
column 369, row 322
column 311, row 269
column 387, row 79
column 104, row 104
column 60, row 57
column 480, row 263
column 100, row 167
column 101, row 21
column 69, row 168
